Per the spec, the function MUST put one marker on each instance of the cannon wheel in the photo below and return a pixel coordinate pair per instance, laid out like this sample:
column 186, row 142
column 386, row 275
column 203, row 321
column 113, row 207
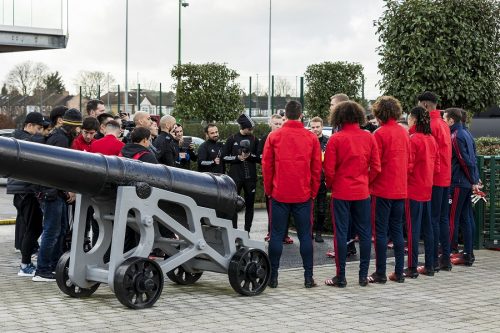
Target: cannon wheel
column 249, row 271
column 66, row 285
column 138, row 282
column 180, row 276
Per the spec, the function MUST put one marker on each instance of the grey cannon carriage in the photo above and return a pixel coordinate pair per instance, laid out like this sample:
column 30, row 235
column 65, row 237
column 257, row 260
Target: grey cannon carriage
column 195, row 207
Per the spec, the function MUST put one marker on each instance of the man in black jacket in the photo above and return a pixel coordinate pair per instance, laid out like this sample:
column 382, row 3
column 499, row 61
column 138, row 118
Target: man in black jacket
column 210, row 152
column 240, row 151
column 29, row 215
column 54, row 204
column 138, row 148
column 164, row 142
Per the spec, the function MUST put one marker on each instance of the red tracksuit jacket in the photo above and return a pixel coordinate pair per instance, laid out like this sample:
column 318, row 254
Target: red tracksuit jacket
column 351, row 162
column 291, row 164
column 425, row 161
column 441, row 132
column 109, row 145
column 80, row 144
column 394, row 148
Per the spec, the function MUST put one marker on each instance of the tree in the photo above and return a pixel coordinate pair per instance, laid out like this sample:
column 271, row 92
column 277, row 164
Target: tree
column 93, row 83
column 450, row 47
column 53, row 83
column 5, row 91
column 27, row 77
column 330, row 78
column 207, row 92
column 282, row 87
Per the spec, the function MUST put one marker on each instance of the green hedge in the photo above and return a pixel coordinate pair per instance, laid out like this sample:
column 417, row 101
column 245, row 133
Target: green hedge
column 488, row 146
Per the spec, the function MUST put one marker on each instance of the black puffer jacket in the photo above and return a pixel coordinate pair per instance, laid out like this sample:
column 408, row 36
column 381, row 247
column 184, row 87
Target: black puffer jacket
column 15, row 186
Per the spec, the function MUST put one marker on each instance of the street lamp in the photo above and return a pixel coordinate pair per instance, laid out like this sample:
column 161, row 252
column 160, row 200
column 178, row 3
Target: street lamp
column 269, row 82
column 182, row 3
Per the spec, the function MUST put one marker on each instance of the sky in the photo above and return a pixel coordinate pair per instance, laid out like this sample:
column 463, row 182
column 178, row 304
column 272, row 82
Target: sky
column 234, row 32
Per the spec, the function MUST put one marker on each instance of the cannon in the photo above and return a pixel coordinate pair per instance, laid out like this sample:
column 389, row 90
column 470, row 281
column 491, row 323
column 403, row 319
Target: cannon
column 124, row 193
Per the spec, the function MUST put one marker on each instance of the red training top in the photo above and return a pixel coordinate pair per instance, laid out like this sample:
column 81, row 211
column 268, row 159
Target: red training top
column 351, row 162
column 394, row 148
column 291, row 164
column 425, row 157
column 109, row 145
column 80, row 144
column 441, row 132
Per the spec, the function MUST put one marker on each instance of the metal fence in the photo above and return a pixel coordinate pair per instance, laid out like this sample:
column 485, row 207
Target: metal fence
column 487, row 215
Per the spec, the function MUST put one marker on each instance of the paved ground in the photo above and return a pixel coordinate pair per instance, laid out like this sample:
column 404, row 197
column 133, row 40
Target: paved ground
column 466, row 299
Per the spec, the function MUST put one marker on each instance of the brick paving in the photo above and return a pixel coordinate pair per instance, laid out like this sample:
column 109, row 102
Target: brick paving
column 466, row 299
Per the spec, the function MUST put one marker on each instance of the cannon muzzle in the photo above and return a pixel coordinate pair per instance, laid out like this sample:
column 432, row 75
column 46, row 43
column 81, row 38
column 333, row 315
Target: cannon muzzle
column 99, row 176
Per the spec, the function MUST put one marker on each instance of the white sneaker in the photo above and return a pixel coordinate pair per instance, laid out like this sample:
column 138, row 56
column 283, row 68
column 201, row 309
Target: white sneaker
column 44, row 278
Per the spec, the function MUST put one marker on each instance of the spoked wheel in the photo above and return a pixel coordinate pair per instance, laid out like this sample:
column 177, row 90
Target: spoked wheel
column 66, row 285
column 180, row 276
column 249, row 271
column 138, row 283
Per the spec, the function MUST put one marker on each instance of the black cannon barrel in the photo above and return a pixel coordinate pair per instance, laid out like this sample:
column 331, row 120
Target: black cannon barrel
column 99, row 175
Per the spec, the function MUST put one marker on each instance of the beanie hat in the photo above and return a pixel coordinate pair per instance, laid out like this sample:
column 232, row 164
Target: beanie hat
column 72, row 117
column 34, row 118
column 245, row 121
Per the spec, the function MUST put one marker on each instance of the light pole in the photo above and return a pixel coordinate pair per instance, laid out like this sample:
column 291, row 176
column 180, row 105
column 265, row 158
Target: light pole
column 126, row 57
column 269, row 82
column 182, row 3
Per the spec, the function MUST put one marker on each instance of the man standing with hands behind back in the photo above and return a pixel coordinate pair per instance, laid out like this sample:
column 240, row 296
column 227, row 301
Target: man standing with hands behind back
column 291, row 168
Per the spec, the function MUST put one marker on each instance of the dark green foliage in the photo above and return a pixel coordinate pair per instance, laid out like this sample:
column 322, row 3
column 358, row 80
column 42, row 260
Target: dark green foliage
column 207, row 92
column 53, row 83
column 488, row 146
column 450, row 47
column 330, row 78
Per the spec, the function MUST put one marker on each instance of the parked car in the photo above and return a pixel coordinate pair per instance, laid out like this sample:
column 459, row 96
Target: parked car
column 7, row 132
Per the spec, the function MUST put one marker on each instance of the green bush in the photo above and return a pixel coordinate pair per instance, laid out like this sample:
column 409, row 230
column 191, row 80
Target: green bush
column 488, row 146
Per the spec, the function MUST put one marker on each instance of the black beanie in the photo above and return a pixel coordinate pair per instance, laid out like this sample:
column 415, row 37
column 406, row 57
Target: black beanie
column 245, row 121
column 72, row 117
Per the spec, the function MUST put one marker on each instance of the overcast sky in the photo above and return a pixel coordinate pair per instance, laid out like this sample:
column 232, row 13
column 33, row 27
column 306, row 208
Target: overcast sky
column 235, row 32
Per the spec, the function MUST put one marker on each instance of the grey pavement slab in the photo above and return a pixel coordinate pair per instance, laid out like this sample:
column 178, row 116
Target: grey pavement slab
column 467, row 299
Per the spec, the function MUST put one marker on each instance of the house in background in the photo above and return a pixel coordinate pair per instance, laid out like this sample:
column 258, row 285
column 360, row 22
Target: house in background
column 149, row 101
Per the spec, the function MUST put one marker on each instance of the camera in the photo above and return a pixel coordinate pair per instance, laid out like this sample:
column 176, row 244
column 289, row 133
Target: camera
column 128, row 125
column 244, row 147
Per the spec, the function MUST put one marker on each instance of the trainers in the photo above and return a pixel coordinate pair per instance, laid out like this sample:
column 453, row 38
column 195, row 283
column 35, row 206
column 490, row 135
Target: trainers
column 288, row 240
column 336, row 281
column 273, row 282
column 411, row 272
column 267, row 238
column 396, row 277
column 363, row 281
column 318, row 238
column 330, row 253
column 309, row 282
column 463, row 260
column 424, row 271
column 351, row 248
column 29, row 270
column 39, row 277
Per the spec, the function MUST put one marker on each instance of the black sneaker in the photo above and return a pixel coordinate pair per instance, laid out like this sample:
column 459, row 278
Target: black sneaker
column 363, row 281
column 351, row 248
column 377, row 278
column 318, row 238
column 273, row 282
column 336, row 282
column 444, row 265
column 309, row 282
column 42, row 277
column 411, row 272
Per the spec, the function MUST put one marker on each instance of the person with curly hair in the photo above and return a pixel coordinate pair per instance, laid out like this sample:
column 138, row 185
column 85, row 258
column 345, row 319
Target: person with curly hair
column 351, row 162
column 389, row 189
column 425, row 157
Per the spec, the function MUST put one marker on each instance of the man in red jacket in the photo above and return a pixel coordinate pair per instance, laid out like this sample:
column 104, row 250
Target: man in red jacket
column 351, row 163
column 389, row 189
column 90, row 126
column 291, row 168
column 109, row 144
column 442, row 180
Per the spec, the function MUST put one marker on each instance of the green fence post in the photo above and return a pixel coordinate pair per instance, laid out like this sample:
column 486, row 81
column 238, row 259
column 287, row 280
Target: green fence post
column 98, row 91
column 138, row 97
column 272, row 95
column 492, row 199
column 302, row 92
column 80, row 98
column 119, row 100
column 250, row 97
column 161, row 113
column 479, row 211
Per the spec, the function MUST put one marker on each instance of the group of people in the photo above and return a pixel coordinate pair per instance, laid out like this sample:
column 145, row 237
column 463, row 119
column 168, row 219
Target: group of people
column 381, row 180
column 382, row 176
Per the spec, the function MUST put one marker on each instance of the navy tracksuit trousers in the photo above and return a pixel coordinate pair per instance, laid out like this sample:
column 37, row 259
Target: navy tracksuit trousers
column 387, row 217
column 461, row 206
column 356, row 212
column 440, row 224
column 418, row 217
column 302, row 216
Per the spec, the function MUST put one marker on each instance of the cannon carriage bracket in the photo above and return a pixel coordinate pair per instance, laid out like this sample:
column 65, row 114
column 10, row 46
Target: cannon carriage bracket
column 200, row 241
